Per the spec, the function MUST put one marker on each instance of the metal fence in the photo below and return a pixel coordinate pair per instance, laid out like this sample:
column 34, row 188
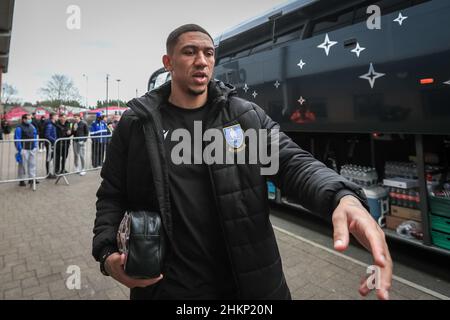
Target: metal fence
column 77, row 155
column 26, row 166
column 40, row 159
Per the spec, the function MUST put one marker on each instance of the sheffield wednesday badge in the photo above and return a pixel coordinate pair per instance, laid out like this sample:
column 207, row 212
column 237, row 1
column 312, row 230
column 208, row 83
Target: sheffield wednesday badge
column 234, row 136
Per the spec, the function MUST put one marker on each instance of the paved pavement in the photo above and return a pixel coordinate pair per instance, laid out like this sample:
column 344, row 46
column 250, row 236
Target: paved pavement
column 44, row 232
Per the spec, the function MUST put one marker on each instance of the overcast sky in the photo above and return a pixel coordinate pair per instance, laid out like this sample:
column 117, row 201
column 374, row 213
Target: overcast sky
column 123, row 38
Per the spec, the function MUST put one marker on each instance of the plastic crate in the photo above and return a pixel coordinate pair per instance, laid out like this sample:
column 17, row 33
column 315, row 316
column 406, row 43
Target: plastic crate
column 440, row 206
column 441, row 239
column 440, row 223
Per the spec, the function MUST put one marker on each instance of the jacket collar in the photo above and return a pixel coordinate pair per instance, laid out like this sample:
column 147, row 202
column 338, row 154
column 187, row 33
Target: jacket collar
column 150, row 103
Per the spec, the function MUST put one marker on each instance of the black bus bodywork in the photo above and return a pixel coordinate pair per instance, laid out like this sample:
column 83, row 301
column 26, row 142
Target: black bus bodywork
column 344, row 90
column 348, row 92
column 278, row 65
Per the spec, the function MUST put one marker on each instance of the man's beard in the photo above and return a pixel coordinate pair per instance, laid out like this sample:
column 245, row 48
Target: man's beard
column 195, row 93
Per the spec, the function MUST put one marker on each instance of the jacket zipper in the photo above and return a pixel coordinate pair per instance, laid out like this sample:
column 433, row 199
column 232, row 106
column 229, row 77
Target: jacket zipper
column 165, row 196
column 223, row 232
column 230, row 258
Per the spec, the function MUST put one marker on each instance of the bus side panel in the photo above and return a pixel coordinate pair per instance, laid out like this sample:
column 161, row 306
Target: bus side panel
column 327, row 93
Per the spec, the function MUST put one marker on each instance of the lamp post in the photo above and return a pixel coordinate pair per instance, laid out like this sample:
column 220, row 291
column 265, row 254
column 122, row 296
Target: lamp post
column 107, row 100
column 87, row 83
column 118, row 92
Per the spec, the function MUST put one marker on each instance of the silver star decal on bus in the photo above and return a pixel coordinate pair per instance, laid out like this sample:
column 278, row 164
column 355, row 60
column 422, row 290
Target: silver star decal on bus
column 301, row 100
column 372, row 75
column 276, row 84
column 447, row 82
column 254, row 94
column 301, row 64
column 245, row 88
column 400, row 19
column 327, row 44
column 358, row 49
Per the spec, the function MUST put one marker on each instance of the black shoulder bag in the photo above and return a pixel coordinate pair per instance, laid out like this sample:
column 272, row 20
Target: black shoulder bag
column 141, row 238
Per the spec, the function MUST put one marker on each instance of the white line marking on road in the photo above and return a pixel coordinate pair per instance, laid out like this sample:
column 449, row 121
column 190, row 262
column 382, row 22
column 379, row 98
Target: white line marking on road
column 399, row 279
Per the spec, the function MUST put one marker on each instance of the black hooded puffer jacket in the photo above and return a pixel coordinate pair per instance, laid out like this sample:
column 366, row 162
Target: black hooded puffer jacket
column 135, row 176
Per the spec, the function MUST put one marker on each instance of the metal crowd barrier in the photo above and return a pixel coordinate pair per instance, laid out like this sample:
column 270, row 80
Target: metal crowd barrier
column 33, row 161
column 78, row 155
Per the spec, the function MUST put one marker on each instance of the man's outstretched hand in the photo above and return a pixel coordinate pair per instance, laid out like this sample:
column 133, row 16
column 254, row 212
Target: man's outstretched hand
column 351, row 217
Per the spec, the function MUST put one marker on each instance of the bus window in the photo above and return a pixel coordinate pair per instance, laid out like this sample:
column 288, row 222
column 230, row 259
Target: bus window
column 386, row 6
column 262, row 47
column 223, row 60
column 161, row 79
column 288, row 28
column 333, row 22
column 288, row 36
column 242, row 54
column 258, row 37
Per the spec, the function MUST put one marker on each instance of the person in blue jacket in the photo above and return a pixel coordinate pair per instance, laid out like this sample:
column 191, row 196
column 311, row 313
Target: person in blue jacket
column 26, row 150
column 98, row 130
column 50, row 135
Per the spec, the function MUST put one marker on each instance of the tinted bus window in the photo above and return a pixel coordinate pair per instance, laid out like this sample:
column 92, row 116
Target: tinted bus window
column 158, row 78
column 258, row 36
column 333, row 22
column 288, row 36
column 386, row 6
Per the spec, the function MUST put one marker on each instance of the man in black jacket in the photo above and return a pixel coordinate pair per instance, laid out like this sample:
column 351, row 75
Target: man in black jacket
column 63, row 130
column 35, row 121
column 215, row 216
column 41, row 132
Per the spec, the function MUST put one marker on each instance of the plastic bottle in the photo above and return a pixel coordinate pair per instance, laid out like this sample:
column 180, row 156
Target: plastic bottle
column 417, row 199
column 411, row 197
column 402, row 198
column 350, row 173
column 398, row 197
column 388, row 170
column 364, row 180
column 374, row 176
column 359, row 177
column 392, row 196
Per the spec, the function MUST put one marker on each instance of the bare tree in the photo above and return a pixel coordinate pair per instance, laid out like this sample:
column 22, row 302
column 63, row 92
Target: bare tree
column 60, row 88
column 8, row 93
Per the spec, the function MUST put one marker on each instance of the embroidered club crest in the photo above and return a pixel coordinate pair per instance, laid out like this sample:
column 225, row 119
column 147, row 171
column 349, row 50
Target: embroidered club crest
column 234, row 136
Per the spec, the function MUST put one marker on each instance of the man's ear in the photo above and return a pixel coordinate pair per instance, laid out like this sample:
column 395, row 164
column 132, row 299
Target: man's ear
column 167, row 62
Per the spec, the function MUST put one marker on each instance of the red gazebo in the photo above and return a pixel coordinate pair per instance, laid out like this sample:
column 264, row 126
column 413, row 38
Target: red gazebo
column 15, row 114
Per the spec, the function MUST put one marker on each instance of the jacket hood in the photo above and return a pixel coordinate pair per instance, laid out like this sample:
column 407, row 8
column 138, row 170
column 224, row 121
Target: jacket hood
column 153, row 100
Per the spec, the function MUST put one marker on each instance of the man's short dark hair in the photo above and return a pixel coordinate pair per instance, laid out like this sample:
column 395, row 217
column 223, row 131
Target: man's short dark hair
column 172, row 39
column 24, row 116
